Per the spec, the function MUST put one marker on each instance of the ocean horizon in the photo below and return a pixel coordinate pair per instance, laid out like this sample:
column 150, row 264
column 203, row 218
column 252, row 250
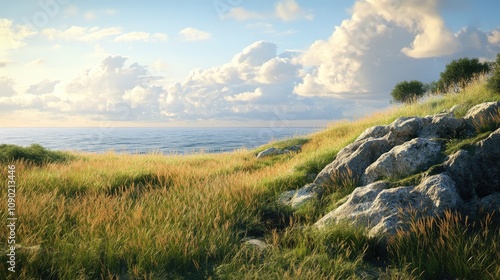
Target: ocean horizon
column 145, row 140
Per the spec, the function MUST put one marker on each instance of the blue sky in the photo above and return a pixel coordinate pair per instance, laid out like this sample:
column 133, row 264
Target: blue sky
column 226, row 62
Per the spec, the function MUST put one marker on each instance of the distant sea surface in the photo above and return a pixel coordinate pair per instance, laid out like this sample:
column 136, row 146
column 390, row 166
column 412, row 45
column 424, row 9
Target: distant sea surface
column 149, row 140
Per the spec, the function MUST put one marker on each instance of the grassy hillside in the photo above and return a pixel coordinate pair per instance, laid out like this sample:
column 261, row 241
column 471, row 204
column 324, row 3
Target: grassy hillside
column 110, row 216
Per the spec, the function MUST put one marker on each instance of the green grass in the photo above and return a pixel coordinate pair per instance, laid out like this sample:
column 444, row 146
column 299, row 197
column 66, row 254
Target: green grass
column 117, row 216
column 35, row 154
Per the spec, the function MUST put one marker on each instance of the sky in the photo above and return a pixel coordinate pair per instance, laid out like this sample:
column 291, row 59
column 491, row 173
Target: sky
column 70, row 63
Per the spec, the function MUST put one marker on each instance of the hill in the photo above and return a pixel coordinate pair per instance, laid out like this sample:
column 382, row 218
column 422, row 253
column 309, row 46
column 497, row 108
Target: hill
column 217, row 216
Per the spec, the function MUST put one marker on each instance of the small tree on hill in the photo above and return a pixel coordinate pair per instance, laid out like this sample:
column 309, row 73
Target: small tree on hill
column 408, row 91
column 461, row 72
column 494, row 80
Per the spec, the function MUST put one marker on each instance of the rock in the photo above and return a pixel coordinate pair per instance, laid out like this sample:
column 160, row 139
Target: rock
column 354, row 159
column 274, row 151
column 297, row 198
column 482, row 113
column 404, row 160
column 404, row 129
column 488, row 158
column 295, row 148
column 373, row 132
column 356, row 207
column 490, row 203
column 443, row 126
column 383, row 211
column 441, row 191
column 257, row 243
column 270, row 152
column 464, row 181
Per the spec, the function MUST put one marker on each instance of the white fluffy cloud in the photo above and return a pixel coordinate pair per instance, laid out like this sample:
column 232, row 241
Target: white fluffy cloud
column 12, row 36
column 111, row 90
column 6, row 87
column 241, row 14
column 289, row 10
column 193, row 34
column 79, row 33
column 285, row 10
column 256, row 84
column 141, row 36
column 384, row 42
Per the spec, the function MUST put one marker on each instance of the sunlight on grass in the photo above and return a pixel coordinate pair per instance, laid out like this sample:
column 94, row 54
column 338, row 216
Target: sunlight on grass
column 116, row 216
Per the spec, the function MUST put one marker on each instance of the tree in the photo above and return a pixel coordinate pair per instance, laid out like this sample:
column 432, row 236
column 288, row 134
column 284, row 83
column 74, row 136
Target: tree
column 459, row 73
column 494, row 80
column 407, row 92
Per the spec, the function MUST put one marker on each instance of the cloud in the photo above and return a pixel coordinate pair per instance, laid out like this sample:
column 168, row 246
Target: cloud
column 78, row 33
column 289, row 10
column 494, row 37
column 36, row 62
column 90, row 15
column 256, row 84
column 285, row 10
column 44, row 87
column 241, row 14
column 6, row 87
column 141, row 36
column 193, row 34
column 112, row 90
column 385, row 42
column 245, row 96
column 13, row 36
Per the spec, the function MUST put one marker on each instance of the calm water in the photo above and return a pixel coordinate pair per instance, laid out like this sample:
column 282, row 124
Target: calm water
column 147, row 140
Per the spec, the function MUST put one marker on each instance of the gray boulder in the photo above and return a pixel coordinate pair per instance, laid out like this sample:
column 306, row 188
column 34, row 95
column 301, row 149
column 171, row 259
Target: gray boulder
column 354, row 159
column 482, row 113
column 299, row 197
column 373, row 132
column 443, row 126
column 269, row 152
column 404, row 129
column 488, row 158
column 465, row 181
column 404, row 160
column 383, row 211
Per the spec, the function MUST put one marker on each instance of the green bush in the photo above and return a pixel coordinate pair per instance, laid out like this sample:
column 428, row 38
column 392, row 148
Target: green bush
column 34, row 154
column 494, row 81
column 459, row 73
column 407, row 92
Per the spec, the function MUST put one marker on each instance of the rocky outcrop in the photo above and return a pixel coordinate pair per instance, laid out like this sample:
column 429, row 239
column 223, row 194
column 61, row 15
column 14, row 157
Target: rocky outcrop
column 467, row 179
column 381, row 209
column 404, row 160
column 274, row 151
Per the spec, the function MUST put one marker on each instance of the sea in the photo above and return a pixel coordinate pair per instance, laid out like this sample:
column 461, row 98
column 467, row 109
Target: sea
column 146, row 140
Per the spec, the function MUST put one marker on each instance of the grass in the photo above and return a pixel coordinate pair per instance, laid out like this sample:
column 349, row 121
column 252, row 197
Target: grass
column 110, row 216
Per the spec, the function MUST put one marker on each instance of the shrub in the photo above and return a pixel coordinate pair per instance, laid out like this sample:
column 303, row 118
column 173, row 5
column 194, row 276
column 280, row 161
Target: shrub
column 494, row 81
column 34, row 154
column 459, row 73
column 407, row 92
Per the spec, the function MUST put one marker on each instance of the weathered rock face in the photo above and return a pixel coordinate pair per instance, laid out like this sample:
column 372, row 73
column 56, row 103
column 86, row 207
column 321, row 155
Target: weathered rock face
column 482, row 112
column 379, row 209
column 477, row 174
column 299, row 197
column 467, row 180
column 403, row 160
column 274, row 151
column 355, row 158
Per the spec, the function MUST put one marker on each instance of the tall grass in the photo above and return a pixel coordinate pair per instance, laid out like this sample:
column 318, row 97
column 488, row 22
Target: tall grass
column 110, row 216
column 449, row 247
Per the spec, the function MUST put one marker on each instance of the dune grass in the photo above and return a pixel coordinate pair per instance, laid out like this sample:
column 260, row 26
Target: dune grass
column 117, row 216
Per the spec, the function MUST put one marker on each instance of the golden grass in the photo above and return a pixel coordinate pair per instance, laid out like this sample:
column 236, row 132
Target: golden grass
column 111, row 216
